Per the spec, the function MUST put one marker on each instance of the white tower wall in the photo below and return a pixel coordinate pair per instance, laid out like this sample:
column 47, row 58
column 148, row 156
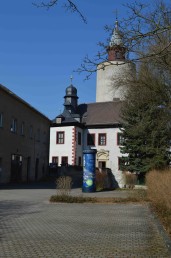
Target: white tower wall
column 113, row 80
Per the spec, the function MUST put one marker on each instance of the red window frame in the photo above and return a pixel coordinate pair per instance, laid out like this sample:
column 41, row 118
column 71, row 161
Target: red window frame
column 64, row 160
column 55, row 159
column 60, row 140
column 102, row 142
column 90, row 139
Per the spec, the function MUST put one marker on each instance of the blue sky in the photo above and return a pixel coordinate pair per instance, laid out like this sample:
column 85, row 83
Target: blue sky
column 39, row 49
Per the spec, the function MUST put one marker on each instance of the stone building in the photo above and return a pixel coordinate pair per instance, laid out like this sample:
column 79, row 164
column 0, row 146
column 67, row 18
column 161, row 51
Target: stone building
column 24, row 140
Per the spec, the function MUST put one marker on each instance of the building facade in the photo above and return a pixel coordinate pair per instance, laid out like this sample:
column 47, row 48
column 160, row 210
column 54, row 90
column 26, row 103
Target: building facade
column 95, row 125
column 24, row 140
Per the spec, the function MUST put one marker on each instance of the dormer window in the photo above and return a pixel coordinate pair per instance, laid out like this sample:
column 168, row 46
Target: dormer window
column 58, row 120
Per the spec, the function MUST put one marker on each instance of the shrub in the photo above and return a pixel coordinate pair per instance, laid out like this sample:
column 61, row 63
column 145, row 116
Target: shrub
column 100, row 179
column 130, row 179
column 63, row 185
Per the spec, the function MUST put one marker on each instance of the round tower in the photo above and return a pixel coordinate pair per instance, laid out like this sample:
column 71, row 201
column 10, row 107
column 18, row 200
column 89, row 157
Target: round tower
column 114, row 74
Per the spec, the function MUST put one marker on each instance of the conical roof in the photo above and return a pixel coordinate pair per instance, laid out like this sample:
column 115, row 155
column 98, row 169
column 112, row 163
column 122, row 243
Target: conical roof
column 117, row 37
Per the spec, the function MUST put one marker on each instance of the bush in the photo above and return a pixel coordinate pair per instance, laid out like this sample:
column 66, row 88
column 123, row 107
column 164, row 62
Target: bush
column 130, row 179
column 63, row 185
column 100, row 179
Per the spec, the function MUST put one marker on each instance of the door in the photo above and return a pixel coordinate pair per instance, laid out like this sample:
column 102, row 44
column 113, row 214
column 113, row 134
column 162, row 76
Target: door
column 16, row 168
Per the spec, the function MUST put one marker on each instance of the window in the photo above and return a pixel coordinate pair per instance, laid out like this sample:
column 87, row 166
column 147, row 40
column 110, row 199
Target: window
column 60, row 137
column 44, row 137
column 14, row 125
column 31, row 132
column 118, row 55
column 1, row 120
column 79, row 161
column 55, row 160
column 38, row 135
column 22, row 128
column 122, row 162
column 120, row 139
column 64, row 161
column 79, row 138
column 91, row 139
column 102, row 139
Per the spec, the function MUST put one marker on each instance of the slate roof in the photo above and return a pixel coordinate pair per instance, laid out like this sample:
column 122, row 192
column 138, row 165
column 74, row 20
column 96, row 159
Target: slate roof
column 103, row 113
column 94, row 114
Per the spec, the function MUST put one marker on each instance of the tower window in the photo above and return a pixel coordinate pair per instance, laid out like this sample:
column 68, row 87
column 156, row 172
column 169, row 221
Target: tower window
column 118, row 55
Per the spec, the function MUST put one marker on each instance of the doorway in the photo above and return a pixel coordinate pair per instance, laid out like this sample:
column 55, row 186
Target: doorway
column 102, row 164
column 16, row 168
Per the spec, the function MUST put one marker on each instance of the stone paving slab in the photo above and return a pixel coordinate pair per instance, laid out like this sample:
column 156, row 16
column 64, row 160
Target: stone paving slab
column 32, row 227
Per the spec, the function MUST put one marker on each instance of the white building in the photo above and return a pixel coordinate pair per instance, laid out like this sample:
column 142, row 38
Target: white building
column 95, row 125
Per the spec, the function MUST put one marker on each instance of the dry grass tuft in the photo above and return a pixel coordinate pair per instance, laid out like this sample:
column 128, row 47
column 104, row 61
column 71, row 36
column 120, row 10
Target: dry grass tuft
column 159, row 193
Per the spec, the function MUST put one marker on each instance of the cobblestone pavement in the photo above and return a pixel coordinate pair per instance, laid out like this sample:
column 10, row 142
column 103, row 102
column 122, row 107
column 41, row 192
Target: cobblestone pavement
column 32, row 227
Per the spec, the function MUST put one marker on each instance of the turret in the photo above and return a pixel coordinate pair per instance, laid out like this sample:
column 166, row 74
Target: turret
column 116, row 49
column 71, row 99
column 114, row 74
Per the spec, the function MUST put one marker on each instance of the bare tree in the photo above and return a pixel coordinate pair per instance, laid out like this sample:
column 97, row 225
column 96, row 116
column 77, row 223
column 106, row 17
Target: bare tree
column 68, row 5
column 146, row 34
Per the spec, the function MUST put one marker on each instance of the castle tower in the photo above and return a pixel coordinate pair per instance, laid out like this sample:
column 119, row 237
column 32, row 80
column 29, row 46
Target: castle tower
column 114, row 74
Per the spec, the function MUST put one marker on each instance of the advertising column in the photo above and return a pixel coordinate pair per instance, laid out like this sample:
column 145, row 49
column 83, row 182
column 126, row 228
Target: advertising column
column 89, row 171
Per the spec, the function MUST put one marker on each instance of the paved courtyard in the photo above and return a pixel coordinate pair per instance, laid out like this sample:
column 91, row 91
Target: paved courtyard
column 30, row 226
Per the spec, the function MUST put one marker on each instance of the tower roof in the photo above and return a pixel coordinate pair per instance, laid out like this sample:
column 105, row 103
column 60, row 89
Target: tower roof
column 117, row 37
column 71, row 91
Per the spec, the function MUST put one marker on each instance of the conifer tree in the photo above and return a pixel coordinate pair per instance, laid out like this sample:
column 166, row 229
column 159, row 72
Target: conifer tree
column 146, row 122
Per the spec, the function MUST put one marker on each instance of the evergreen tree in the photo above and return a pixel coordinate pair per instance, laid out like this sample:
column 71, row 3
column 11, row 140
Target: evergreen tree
column 146, row 123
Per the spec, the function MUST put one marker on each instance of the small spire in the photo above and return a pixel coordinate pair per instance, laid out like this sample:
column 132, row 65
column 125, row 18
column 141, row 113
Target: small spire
column 116, row 22
column 71, row 78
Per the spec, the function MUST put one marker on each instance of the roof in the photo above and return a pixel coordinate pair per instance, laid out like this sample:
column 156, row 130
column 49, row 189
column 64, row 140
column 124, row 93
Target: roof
column 13, row 95
column 103, row 113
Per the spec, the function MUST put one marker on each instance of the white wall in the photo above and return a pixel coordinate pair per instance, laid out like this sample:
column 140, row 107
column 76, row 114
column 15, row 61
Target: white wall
column 111, row 146
column 112, row 82
column 59, row 150
column 70, row 148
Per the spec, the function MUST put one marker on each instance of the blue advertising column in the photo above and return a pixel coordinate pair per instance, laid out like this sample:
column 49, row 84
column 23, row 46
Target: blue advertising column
column 89, row 171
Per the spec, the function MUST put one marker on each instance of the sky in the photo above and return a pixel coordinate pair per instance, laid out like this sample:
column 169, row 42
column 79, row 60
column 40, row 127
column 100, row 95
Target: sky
column 40, row 49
